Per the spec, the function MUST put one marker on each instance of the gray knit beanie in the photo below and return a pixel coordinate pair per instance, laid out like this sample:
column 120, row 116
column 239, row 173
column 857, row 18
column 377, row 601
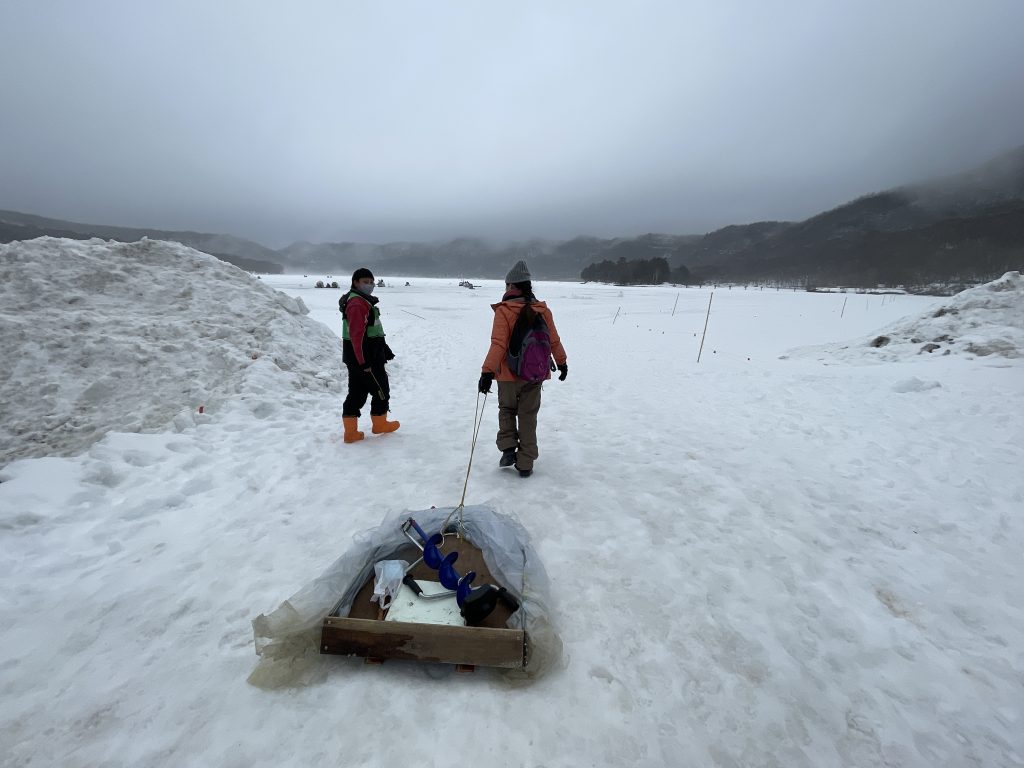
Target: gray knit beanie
column 519, row 273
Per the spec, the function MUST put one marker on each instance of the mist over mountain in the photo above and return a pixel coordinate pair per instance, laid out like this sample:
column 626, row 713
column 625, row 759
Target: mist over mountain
column 242, row 253
column 476, row 257
column 967, row 227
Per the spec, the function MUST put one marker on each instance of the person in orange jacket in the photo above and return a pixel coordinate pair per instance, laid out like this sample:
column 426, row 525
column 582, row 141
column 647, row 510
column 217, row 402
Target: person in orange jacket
column 364, row 352
column 518, row 400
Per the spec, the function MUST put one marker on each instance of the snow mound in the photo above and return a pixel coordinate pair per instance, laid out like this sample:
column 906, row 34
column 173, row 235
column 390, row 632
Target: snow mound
column 105, row 336
column 981, row 321
column 914, row 384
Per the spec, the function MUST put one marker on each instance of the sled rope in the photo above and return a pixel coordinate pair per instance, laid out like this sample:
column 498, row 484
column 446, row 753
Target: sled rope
column 478, row 420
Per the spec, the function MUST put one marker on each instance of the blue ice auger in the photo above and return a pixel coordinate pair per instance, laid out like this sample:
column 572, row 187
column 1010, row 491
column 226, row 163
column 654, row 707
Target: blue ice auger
column 475, row 603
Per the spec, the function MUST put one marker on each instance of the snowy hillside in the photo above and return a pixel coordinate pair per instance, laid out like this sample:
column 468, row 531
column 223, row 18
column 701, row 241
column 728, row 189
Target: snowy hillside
column 103, row 336
column 981, row 321
column 754, row 561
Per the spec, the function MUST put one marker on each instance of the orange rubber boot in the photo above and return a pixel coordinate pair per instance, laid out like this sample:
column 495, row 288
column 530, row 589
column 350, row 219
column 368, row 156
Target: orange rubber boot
column 381, row 425
column 352, row 433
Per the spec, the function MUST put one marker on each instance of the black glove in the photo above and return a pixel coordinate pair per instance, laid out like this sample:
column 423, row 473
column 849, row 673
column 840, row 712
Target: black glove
column 485, row 382
column 388, row 354
column 564, row 371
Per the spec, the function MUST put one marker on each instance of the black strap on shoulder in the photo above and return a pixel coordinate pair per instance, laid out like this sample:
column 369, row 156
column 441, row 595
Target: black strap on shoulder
column 519, row 329
column 343, row 303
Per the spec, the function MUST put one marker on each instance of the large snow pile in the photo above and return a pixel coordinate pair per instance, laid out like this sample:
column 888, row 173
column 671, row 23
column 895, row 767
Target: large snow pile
column 981, row 321
column 100, row 336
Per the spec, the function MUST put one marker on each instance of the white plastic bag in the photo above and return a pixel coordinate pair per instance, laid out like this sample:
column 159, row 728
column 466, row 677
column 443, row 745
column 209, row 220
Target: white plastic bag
column 388, row 575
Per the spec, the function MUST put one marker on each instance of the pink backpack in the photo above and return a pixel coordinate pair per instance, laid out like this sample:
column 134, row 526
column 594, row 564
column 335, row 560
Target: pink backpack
column 529, row 350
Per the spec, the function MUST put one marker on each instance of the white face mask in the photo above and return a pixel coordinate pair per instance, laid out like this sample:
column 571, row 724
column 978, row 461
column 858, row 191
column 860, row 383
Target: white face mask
column 366, row 288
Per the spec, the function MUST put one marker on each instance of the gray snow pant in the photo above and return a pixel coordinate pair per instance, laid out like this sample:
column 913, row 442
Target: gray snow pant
column 518, row 403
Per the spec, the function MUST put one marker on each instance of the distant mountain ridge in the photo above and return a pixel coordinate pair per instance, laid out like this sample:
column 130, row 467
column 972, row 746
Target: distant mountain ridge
column 475, row 257
column 234, row 250
column 968, row 226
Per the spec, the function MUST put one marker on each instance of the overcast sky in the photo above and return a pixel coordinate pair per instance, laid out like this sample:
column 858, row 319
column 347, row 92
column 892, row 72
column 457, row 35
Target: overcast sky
column 421, row 120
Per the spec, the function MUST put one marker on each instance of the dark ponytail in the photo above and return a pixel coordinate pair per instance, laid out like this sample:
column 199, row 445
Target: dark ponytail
column 529, row 315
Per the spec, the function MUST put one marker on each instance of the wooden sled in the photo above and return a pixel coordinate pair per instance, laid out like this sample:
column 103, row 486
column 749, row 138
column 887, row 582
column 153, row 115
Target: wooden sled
column 363, row 633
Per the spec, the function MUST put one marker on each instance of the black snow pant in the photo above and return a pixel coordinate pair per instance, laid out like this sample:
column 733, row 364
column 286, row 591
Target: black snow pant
column 358, row 391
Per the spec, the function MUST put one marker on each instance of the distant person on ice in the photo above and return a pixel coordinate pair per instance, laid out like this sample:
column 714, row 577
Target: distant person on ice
column 523, row 339
column 364, row 352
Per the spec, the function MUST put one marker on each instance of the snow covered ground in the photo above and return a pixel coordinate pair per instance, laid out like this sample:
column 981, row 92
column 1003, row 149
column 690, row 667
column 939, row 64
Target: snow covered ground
column 774, row 557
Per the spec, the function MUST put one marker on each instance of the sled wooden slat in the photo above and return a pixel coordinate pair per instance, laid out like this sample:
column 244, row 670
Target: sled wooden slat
column 480, row 646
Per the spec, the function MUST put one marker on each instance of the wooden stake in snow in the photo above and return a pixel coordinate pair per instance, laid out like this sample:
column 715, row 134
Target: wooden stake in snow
column 674, row 305
column 708, row 317
column 616, row 316
column 844, row 306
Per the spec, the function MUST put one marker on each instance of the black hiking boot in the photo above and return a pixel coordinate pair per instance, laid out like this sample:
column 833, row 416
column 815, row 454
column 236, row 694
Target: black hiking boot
column 508, row 458
column 524, row 472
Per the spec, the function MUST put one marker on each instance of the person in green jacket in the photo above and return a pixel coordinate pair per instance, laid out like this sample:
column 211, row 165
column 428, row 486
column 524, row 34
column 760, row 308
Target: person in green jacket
column 365, row 353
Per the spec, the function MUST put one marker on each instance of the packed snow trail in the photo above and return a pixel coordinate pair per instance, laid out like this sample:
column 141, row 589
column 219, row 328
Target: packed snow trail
column 755, row 562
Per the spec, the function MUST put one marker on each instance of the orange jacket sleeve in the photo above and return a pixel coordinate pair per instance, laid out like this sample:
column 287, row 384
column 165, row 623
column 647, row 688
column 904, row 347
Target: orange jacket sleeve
column 557, row 350
column 501, row 332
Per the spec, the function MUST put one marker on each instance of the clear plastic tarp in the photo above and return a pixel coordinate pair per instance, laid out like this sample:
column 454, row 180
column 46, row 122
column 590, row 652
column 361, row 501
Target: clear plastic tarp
column 288, row 639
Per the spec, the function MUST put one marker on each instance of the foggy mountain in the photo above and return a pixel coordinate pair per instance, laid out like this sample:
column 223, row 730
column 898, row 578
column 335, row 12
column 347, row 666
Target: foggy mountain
column 234, row 250
column 969, row 226
column 475, row 257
